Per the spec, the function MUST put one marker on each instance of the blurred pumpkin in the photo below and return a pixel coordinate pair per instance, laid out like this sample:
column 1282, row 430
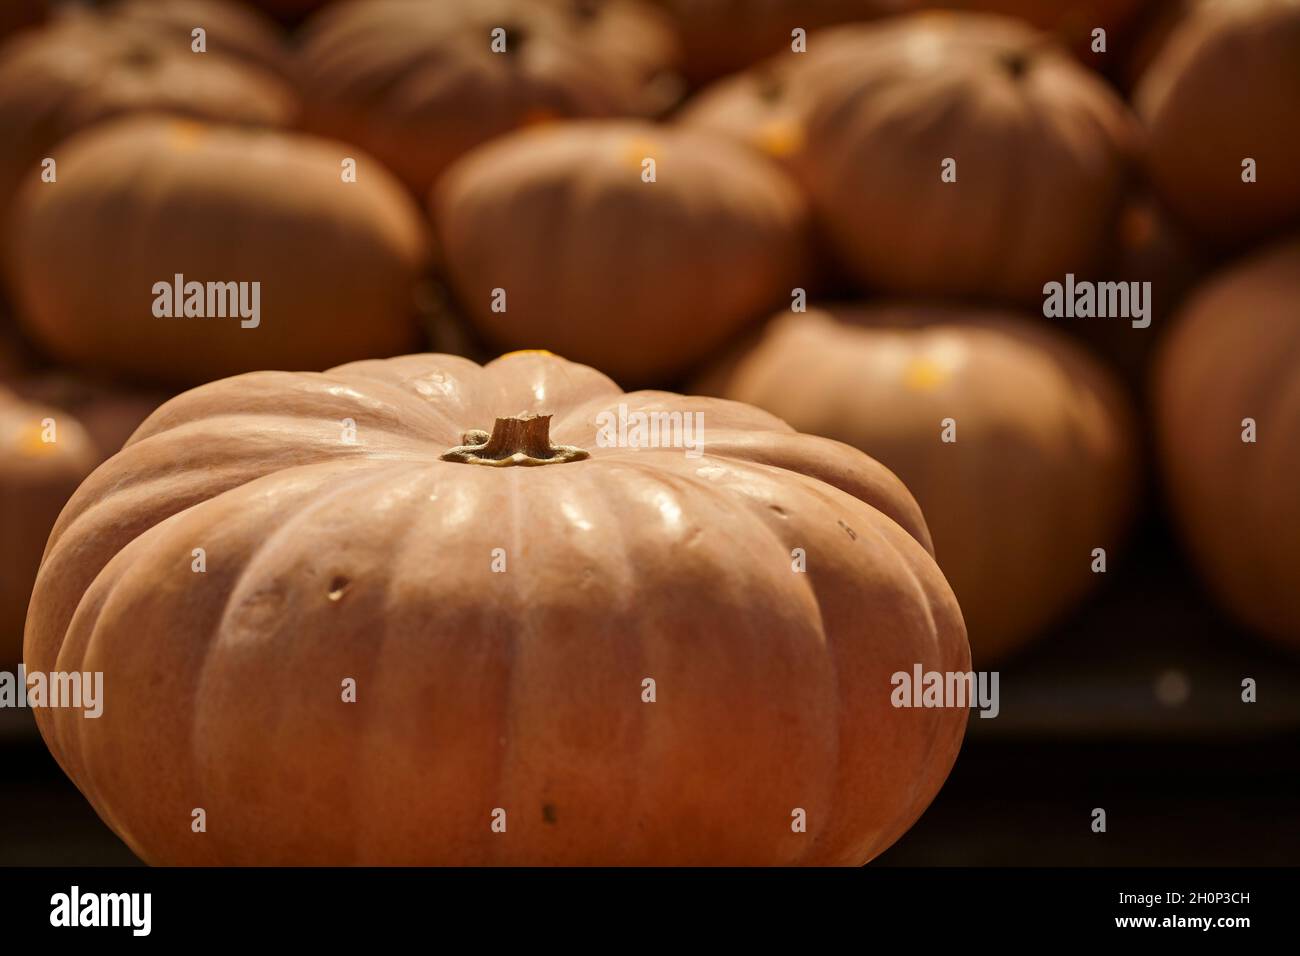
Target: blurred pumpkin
column 1040, row 469
column 1039, row 148
column 1234, row 355
column 44, row 455
column 1225, row 89
column 232, row 29
column 418, row 84
column 108, row 413
column 643, row 278
column 85, row 68
column 638, row 41
column 479, row 690
column 766, row 106
column 338, row 263
column 724, row 36
column 1073, row 21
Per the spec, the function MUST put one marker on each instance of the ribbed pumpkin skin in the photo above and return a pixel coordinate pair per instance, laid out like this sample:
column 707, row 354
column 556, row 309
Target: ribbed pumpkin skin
column 642, row 279
column 1235, row 354
column 338, row 262
column 479, row 690
column 1042, row 150
column 418, row 85
column 36, row 480
column 88, row 68
column 1224, row 87
column 1042, row 470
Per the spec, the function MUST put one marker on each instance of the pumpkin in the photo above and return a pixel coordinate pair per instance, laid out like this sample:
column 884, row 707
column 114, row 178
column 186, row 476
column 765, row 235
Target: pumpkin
column 554, row 237
column 765, row 107
column 1225, row 89
column 1073, row 22
column 143, row 200
column 1232, row 356
column 1018, row 446
column 108, row 413
column 418, row 85
column 648, row 680
column 725, row 36
column 1041, row 150
column 232, row 29
column 638, row 41
column 44, row 455
column 87, row 67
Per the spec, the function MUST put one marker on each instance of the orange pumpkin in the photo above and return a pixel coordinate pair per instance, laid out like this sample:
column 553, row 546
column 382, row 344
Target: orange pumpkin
column 724, row 36
column 646, row 679
column 1019, row 447
column 1232, row 357
column 557, row 237
column 86, row 68
column 108, row 413
column 1224, row 91
column 325, row 269
column 44, row 455
column 963, row 155
column 418, row 85
column 232, row 29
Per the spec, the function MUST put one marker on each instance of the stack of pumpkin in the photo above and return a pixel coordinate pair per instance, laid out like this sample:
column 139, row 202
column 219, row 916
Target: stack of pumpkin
column 844, row 213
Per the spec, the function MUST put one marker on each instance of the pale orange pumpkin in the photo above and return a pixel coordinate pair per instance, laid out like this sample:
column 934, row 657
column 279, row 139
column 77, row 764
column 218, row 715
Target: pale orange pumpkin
column 557, row 237
column 1233, row 356
column 87, row 67
column 419, row 84
column 44, row 455
column 1040, row 469
column 645, row 679
column 1225, row 90
column 1039, row 147
column 338, row 264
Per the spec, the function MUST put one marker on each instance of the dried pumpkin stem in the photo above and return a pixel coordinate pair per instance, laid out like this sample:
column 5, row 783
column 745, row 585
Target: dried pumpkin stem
column 518, row 440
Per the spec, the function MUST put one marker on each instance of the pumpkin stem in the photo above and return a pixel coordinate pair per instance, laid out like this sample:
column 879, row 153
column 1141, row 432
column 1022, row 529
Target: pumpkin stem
column 520, row 440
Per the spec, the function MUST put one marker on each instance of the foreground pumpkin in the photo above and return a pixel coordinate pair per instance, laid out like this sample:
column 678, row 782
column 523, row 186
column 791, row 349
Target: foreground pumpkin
column 1039, row 470
column 1232, row 356
column 644, row 679
column 44, row 455
column 86, row 68
column 1225, row 89
column 419, row 84
column 558, row 237
column 337, row 263
column 1041, row 150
